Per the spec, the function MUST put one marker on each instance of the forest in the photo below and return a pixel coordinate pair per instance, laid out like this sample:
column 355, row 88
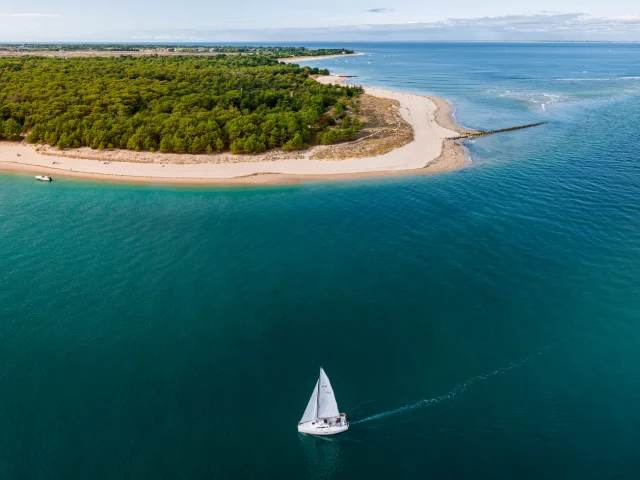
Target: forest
column 194, row 104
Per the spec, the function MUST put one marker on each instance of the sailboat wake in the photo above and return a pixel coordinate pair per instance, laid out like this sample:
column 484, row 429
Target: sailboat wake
column 458, row 390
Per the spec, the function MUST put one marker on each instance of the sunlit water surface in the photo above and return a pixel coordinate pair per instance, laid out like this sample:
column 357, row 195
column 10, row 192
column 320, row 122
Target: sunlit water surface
column 477, row 324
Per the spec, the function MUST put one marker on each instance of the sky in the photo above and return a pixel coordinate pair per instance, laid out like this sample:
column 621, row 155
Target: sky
column 327, row 20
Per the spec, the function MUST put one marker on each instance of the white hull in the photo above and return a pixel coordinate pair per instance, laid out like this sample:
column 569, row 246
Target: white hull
column 321, row 429
column 43, row 178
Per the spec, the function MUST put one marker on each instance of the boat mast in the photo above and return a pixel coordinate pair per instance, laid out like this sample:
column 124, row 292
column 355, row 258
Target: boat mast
column 318, row 394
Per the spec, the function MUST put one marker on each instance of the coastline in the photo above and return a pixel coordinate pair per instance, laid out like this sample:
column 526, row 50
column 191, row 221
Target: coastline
column 320, row 57
column 431, row 151
column 143, row 53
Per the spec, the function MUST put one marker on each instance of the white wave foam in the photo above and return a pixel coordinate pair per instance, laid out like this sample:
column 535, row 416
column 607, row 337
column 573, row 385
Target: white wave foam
column 534, row 98
column 458, row 390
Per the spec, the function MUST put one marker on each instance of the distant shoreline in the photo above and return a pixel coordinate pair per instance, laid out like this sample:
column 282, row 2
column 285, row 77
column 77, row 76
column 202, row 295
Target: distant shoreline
column 321, row 57
column 151, row 52
column 431, row 151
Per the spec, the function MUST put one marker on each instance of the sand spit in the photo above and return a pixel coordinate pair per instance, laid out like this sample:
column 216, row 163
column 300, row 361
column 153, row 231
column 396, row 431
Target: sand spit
column 429, row 152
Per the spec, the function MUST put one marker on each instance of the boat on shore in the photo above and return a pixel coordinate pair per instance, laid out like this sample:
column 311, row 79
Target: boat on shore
column 322, row 417
column 44, row 178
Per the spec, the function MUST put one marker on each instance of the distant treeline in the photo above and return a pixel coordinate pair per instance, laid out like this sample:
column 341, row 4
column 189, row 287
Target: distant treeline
column 281, row 52
column 195, row 104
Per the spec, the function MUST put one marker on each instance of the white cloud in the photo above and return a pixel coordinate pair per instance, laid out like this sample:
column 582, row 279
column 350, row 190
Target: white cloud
column 543, row 26
column 540, row 26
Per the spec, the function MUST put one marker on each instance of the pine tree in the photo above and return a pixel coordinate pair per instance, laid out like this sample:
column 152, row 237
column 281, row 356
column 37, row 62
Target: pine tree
column 237, row 146
column 197, row 146
column 36, row 135
column 295, row 143
column 179, row 144
column 64, row 141
column 166, row 144
column 12, row 129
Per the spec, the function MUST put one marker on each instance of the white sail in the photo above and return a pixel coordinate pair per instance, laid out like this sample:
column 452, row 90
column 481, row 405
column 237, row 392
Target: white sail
column 310, row 412
column 327, row 404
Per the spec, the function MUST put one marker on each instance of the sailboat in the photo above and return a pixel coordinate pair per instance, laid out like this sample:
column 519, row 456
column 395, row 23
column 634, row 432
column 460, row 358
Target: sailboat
column 322, row 417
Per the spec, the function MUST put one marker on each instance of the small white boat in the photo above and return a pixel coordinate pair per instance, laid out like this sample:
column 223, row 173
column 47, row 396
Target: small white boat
column 322, row 417
column 44, row 178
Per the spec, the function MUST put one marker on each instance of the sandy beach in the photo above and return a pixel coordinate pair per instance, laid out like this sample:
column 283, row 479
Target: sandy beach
column 429, row 152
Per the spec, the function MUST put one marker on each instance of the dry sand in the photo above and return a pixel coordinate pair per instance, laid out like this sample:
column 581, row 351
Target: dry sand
column 429, row 152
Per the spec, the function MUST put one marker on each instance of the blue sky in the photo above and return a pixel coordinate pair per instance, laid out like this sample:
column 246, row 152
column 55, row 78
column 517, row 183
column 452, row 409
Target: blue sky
column 339, row 20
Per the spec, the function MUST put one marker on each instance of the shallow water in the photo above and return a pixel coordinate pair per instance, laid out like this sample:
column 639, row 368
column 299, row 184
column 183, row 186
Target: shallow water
column 481, row 323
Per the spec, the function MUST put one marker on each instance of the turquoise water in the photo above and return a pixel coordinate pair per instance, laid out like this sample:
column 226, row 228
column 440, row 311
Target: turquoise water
column 477, row 324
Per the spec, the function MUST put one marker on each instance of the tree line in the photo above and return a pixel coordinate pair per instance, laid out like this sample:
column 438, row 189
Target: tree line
column 279, row 52
column 240, row 103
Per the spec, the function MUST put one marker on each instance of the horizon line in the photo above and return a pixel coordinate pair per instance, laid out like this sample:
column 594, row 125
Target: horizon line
column 257, row 43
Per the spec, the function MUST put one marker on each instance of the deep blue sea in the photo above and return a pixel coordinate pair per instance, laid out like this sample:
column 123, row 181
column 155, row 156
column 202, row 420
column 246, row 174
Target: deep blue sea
column 483, row 323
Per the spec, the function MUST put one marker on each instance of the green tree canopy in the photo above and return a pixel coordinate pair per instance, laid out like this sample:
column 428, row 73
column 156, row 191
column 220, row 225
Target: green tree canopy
column 196, row 104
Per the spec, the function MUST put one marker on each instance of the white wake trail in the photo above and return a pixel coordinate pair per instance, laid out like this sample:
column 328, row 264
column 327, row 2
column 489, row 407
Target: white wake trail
column 427, row 402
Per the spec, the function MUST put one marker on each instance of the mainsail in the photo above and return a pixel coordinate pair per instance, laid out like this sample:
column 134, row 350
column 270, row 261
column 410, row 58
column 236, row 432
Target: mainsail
column 310, row 412
column 327, row 404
